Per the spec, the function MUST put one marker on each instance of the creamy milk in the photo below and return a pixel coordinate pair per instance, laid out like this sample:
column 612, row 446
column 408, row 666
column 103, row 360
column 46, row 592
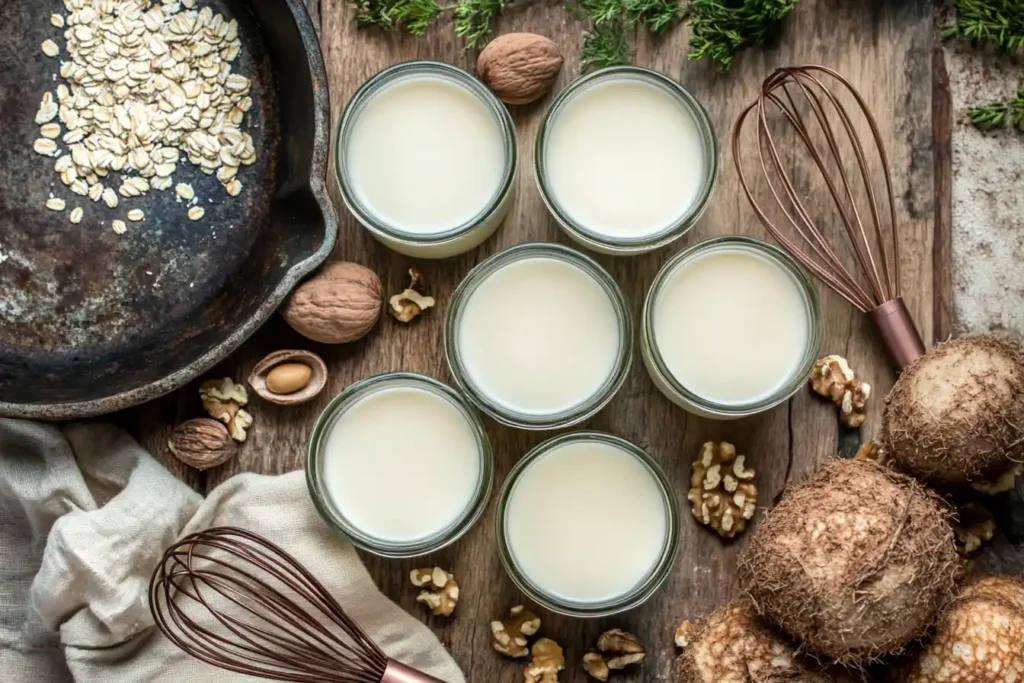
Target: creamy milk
column 586, row 522
column 539, row 336
column 401, row 464
column 425, row 155
column 625, row 159
column 731, row 326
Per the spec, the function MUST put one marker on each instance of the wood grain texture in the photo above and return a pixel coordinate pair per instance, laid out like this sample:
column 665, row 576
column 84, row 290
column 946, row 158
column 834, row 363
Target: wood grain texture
column 885, row 48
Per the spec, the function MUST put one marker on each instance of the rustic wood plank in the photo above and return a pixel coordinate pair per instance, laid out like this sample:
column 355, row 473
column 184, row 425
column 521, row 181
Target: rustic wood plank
column 885, row 48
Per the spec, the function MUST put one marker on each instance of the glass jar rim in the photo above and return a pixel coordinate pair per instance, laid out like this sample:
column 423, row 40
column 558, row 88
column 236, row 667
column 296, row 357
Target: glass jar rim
column 539, row 421
column 333, row 517
column 453, row 74
column 640, row 593
column 807, row 290
column 682, row 224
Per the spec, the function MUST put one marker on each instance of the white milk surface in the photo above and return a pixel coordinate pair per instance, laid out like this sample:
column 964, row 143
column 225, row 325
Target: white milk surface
column 586, row 522
column 401, row 464
column 731, row 326
column 425, row 155
column 625, row 159
column 539, row 336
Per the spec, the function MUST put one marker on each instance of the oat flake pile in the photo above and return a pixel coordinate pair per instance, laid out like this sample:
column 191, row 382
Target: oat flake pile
column 147, row 82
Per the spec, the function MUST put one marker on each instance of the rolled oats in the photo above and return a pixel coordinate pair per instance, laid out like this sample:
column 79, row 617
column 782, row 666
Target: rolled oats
column 145, row 81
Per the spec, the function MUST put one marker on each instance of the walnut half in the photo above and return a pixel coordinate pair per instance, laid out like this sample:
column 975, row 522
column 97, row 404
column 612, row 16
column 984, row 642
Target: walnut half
column 834, row 379
column 616, row 649
column 722, row 490
column 408, row 304
column 223, row 400
column 442, row 594
column 509, row 636
column 548, row 660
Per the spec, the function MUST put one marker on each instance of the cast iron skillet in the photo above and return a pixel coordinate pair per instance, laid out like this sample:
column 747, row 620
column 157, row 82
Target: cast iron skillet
column 92, row 322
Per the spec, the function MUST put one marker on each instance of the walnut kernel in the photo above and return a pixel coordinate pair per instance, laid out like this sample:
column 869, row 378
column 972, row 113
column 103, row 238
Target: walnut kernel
column 509, row 636
column 833, row 379
column 413, row 301
column 223, row 400
column 548, row 660
column 443, row 592
column 722, row 490
column 974, row 528
column 684, row 634
column 616, row 649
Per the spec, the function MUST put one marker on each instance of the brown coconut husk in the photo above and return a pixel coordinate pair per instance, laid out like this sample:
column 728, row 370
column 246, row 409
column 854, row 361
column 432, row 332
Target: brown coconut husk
column 733, row 645
column 854, row 564
column 980, row 638
column 956, row 415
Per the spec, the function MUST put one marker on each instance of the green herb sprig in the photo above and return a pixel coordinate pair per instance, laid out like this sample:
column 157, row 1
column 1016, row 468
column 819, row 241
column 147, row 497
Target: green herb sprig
column 721, row 28
column 999, row 25
column 1000, row 114
column 990, row 23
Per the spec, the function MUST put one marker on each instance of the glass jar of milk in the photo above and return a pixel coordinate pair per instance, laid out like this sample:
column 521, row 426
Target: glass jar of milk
column 426, row 159
column 400, row 464
column 626, row 160
column 588, row 525
column 731, row 327
column 539, row 336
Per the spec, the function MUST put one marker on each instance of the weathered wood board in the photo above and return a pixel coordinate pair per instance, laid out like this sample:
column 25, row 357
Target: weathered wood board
column 885, row 48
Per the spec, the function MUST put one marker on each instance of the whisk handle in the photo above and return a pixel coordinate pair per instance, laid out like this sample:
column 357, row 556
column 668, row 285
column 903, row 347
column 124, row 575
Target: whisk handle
column 898, row 331
column 396, row 672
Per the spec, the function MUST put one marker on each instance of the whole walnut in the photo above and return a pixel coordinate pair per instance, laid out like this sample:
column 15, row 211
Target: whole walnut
column 338, row 305
column 519, row 67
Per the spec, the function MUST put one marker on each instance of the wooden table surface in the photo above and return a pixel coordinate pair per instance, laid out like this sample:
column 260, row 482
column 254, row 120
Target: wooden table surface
column 886, row 48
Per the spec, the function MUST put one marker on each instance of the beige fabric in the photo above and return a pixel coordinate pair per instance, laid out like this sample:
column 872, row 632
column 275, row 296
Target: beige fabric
column 89, row 512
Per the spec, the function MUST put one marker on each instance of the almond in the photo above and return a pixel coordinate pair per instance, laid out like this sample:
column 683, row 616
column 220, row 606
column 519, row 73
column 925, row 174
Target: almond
column 519, row 67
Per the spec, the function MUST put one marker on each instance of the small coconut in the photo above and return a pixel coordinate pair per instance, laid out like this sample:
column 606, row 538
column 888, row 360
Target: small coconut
column 956, row 414
column 303, row 376
column 854, row 563
column 979, row 638
column 733, row 645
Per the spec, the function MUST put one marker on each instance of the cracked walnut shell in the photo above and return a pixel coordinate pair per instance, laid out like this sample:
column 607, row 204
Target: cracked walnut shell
column 722, row 493
column 833, row 379
column 442, row 594
column 616, row 649
column 548, row 660
column 509, row 636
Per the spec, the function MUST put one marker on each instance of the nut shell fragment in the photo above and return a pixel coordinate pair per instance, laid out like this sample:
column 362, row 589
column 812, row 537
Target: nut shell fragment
column 258, row 378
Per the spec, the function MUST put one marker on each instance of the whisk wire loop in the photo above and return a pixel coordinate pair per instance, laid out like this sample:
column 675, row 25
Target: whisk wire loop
column 783, row 93
column 826, row 121
column 237, row 601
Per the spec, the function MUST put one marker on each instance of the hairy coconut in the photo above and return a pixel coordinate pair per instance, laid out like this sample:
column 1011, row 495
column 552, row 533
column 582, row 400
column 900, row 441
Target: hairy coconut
column 979, row 638
column 854, row 563
column 733, row 645
column 956, row 414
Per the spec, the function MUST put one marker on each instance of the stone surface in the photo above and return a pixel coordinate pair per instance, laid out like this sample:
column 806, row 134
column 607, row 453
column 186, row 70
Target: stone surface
column 988, row 197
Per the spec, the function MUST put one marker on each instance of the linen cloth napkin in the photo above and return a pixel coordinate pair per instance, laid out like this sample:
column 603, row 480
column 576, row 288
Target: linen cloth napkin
column 86, row 513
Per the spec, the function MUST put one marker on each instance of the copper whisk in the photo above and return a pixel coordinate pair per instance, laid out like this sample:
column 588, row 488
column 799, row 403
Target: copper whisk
column 798, row 97
column 235, row 600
